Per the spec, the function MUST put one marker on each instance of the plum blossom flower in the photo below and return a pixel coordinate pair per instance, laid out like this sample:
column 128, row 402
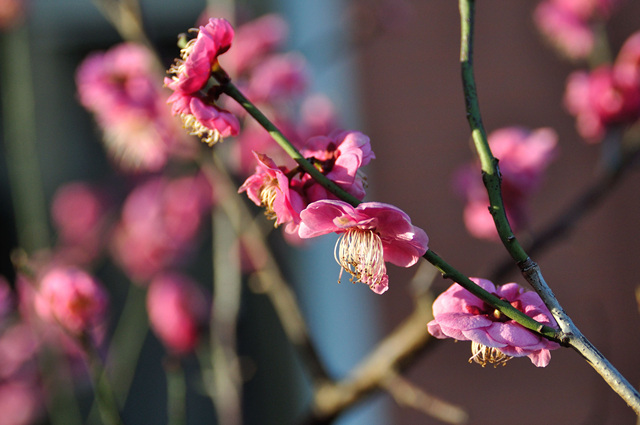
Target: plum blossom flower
column 208, row 122
column 192, row 70
column 270, row 188
column 598, row 100
column 254, row 40
column 118, row 86
column 178, row 311
column 370, row 235
column 339, row 157
column 78, row 214
column 72, row 298
column 523, row 155
column 190, row 75
column 568, row 24
column 460, row 315
column 158, row 225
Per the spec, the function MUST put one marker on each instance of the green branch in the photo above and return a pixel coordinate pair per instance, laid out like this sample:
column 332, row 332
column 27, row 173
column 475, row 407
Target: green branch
column 288, row 147
column 490, row 170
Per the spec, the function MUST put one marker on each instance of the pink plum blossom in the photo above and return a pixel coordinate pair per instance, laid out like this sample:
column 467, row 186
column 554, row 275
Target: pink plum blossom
column 71, row 298
column 21, row 402
column 627, row 65
column 569, row 34
column 254, row 40
column 190, row 75
column 78, row 215
column 370, row 235
column 178, row 311
column 159, row 223
column 119, row 87
column 568, row 24
column 460, row 315
column 193, row 69
column 201, row 119
column 269, row 188
column 278, row 77
column 339, row 157
column 523, row 157
column 598, row 101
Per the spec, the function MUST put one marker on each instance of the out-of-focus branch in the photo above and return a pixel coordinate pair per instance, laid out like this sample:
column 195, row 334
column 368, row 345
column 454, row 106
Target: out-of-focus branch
column 272, row 283
column 126, row 17
column 409, row 395
column 391, row 354
column 592, row 196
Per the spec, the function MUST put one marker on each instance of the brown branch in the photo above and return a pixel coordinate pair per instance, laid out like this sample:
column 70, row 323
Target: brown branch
column 409, row 395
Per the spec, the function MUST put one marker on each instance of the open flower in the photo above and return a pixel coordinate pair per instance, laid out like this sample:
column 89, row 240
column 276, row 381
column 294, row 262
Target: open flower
column 190, row 77
column 339, row 157
column 459, row 314
column 370, row 234
column 269, row 188
column 192, row 70
column 73, row 299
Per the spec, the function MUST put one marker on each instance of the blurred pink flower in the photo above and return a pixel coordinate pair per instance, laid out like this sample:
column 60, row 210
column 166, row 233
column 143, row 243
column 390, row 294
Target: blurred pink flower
column 120, row 88
column 598, row 100
column 21, row 402
column 18, row 349
column 339, row 157
column 178, row 311
column 569, row 34
column 277, row 77
column 370, row 234
column 627, row 65
column 568, row 24
column 254, row 40
column 460, row 315
column 71, row 298
column 78, row 215
column 7, row 301
column 269, row 188
column 159, row 222
column 523, row 157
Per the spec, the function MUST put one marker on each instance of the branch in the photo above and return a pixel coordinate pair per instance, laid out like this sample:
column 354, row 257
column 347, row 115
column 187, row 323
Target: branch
column 530, row 270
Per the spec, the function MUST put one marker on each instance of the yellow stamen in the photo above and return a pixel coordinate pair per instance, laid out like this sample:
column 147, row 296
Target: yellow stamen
column 268, row 194
column 360, row 253
column 483, row 355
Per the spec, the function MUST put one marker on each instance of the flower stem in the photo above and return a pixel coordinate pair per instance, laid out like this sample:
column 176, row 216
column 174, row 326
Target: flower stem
column 288, row 147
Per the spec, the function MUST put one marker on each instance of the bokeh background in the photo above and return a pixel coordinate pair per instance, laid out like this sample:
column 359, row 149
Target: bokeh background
column 392, row 69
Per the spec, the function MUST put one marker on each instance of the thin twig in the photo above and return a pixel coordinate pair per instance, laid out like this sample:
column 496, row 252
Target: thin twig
column 407, row 394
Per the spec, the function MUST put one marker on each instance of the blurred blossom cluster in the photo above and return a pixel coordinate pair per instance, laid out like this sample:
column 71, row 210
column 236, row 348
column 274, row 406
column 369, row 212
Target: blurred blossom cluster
column 523, row 157
column 607, row 96
column 121, row 88
column 570, row 25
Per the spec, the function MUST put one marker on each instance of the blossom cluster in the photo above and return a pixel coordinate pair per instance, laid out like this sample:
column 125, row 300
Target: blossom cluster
column 569, row 25
column 607, row 96
column 192, row 100
column 119, row 88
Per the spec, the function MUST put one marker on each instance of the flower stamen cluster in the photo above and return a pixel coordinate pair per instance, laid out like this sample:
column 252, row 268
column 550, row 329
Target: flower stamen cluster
column 483, row 355
column 360, row 253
